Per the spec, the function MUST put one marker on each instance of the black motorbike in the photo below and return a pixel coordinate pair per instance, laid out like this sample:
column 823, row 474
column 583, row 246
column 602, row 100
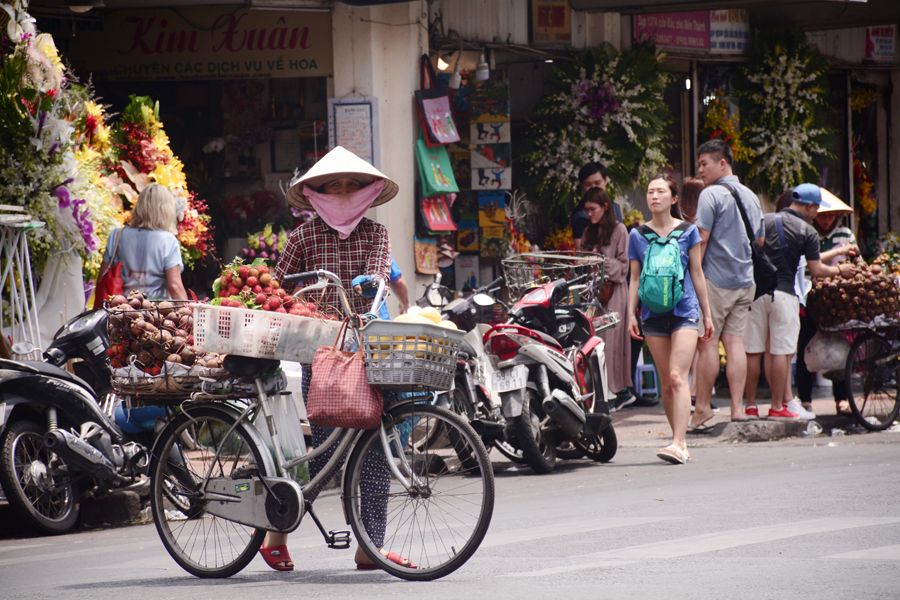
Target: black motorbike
column 57, row 441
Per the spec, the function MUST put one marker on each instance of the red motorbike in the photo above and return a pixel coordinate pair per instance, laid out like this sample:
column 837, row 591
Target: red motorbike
column 550, row 373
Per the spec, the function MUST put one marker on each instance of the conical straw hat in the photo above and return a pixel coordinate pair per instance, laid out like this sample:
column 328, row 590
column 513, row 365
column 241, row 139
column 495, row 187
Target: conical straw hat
column 835, row 204
column 340, row 162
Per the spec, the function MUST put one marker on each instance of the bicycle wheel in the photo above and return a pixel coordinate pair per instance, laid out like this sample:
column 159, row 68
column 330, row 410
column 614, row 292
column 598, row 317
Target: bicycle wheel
column 202, row 544
column 436, row 523
column 872, row 383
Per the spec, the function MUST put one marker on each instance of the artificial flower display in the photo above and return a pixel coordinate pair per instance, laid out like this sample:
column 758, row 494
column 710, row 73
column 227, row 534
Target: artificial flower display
column 43, row 166
column 607, row 107
column 266, row 244
column 782, row 93
column 143, row 156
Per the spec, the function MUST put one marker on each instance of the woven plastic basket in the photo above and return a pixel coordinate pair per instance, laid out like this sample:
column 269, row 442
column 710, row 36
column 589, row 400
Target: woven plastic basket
column 260, row 334
column 525, row 271
column 410, row 357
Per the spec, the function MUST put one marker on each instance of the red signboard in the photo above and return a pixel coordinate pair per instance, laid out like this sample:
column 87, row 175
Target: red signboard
column 675, row 30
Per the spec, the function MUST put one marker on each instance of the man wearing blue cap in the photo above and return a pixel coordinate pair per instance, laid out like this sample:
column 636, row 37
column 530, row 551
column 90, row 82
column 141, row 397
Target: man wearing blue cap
column 774, row 322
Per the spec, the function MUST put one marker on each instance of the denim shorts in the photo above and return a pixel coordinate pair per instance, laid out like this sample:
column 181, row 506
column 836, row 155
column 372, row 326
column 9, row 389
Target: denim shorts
column 666, row 325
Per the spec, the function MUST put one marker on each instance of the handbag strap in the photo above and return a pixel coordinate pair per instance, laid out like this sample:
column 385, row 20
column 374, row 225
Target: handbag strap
column 740, row 205
column 112, row 258
column 339, row 341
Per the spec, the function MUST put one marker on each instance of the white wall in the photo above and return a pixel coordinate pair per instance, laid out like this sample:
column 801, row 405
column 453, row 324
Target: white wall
column 376, row 53
column 485, row 20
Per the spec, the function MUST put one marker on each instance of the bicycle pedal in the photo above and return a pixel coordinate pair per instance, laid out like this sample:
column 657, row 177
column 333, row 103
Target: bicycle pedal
column 340, row 540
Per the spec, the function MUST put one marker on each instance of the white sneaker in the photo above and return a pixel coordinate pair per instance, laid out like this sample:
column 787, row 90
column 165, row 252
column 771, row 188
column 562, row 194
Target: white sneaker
column 795, row 407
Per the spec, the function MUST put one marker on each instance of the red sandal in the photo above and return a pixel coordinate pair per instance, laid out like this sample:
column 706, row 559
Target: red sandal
column 391, row 556
column 275, row 555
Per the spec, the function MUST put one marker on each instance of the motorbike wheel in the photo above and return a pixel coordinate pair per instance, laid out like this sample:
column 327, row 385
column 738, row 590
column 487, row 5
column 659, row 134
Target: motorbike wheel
column 201, row 543
column 48, row 503
column 600, row 448
column 569, row 450
column 510, row 452
column 538, row 450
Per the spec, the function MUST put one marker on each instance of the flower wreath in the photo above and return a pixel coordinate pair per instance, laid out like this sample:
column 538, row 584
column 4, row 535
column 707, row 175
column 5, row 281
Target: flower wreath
column 782, row 92
column 608, row 107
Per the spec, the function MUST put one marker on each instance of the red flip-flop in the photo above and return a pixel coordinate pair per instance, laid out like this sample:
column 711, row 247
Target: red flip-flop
column 273, row 555
column 391, row 556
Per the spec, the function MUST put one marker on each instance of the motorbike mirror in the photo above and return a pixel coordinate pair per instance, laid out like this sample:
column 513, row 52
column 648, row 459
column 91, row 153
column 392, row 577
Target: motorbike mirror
column 452, row 304
column 23, row 348
column 483, row 300
column 434, row 297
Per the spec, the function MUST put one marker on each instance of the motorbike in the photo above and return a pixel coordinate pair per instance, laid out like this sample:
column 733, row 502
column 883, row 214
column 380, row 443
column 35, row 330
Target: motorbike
column 471, row 396
column 60, row 438
column 550, row 374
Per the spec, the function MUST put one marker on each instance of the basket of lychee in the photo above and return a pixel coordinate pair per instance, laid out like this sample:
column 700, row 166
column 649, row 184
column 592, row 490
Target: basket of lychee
column 236, row 320
column 868, row 297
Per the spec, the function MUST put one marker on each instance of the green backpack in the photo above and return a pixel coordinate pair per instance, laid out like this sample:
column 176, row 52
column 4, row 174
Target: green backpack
column 662, row 276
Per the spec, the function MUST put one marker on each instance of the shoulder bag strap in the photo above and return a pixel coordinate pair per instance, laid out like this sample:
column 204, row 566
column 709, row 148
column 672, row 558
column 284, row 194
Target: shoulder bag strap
column 737, row 198
column 645, row 231
column 780, row 226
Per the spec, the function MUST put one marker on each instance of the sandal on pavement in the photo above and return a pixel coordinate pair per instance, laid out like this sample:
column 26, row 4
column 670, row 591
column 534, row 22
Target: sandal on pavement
column 277, row 555
column 391, row 556
column 673, row 454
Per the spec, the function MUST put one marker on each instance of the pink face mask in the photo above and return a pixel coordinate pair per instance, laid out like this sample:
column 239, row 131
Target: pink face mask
column 343, row 212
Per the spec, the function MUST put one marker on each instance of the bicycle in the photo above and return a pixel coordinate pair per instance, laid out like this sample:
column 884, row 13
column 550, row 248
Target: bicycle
column 216, row 487
column 872, row 377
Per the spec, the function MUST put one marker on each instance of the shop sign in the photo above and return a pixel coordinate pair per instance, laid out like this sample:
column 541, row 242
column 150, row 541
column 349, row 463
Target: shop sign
column 729, row 31
column 203, row 43
column 551, row 22
column 880, row 42
column 689, row 30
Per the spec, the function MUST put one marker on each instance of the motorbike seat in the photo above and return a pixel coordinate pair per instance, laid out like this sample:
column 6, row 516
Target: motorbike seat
column 49, row 370
column 549, row 340
column 466, row 348
column 245, row 366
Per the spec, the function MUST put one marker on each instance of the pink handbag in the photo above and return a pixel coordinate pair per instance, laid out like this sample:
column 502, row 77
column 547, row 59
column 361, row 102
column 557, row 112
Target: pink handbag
column 339, row 394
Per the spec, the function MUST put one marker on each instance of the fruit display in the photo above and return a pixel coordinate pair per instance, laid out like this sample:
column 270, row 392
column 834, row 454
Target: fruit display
column 147, row 335
column 252, row 286
column 869, row 293
column 409, row 344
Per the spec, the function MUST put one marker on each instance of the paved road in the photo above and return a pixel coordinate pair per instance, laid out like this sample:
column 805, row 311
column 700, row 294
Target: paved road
column 778, row 520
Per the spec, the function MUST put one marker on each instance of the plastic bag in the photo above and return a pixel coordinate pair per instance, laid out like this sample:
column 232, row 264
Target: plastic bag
column 290, row 434
column 826, row 352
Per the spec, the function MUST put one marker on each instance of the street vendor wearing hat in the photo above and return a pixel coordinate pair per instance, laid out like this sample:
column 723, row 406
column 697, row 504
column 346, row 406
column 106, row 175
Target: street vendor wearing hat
column 773, row 325
column 340, row 188
column 836, row 244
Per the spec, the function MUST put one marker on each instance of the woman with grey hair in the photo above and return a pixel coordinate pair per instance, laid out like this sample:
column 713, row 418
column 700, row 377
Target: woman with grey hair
column 147, row 247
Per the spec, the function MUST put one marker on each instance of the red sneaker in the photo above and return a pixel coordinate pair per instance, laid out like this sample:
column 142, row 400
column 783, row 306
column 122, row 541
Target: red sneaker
column 782, row 415
column 752, row 413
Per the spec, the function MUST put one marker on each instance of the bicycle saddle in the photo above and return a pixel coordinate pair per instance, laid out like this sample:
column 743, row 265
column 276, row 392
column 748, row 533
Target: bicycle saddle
column 245, row 366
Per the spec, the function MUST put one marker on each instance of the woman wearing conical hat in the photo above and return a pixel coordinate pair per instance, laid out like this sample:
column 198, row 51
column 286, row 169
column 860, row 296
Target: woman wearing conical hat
column 340, row 188
column 836, row 244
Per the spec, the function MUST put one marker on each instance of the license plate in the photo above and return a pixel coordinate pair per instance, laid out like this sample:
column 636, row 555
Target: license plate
column 510, row 379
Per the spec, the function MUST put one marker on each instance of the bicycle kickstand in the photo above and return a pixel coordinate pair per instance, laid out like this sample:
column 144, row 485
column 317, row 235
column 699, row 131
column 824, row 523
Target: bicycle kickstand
column 336, row 540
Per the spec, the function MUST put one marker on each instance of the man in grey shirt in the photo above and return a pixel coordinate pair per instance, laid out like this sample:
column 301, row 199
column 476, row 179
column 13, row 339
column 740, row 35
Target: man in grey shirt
column 728, row 267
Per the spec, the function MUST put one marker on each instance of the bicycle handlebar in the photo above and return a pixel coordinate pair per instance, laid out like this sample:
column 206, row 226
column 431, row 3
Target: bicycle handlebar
column 322, row 275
